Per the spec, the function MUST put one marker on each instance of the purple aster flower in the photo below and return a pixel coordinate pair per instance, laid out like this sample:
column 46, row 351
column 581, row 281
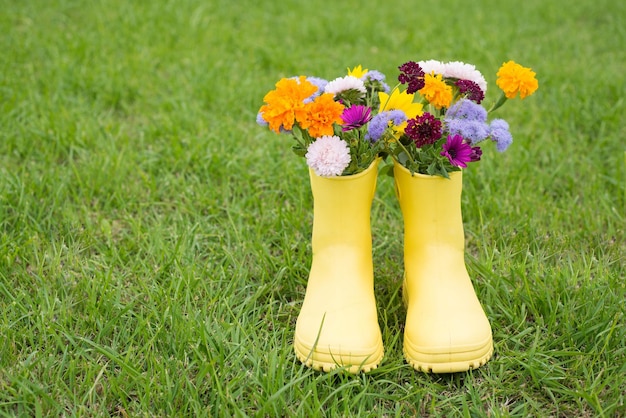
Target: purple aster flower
column 466, row 109
column 471, row 90
column 476, row 154
column 458, row 152
column 472, row 130
column 355, row 116
column 423, row 130
column 380, row 123
column 500, row 134
column 411, row 73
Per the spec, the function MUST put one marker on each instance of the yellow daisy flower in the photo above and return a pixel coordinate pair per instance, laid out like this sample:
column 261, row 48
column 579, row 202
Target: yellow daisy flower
column 357, row 71
column 400, row 100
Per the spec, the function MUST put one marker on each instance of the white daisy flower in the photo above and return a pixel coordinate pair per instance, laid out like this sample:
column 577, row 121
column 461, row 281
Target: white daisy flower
column 342, row 84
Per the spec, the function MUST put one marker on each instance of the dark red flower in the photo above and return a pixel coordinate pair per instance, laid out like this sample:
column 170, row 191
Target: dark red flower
column 471, row 90
column 476, row 154
column 411, row 73
column 423, row 130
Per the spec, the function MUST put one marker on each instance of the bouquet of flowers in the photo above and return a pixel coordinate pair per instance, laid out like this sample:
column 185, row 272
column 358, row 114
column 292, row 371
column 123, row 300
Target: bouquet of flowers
column 328, row 119
column 445, row 134
column 432, row 127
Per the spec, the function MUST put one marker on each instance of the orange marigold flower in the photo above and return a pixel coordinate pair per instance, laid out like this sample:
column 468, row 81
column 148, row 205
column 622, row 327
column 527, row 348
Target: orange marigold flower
column 513, row 79
column 321, row 114
column 436, row 91
column 285, row 104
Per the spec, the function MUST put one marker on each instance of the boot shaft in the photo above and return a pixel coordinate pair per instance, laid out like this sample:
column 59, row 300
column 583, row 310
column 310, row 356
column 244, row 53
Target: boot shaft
column 431, row 208
column 341, row 208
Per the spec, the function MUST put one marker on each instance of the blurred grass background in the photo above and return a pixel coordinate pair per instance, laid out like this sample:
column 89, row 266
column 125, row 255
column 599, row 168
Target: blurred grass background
column 154, row 241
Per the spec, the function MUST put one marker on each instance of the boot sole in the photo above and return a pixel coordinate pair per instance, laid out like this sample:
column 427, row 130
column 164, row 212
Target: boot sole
column 446, row 361
column 434, row 360
column 328, row 360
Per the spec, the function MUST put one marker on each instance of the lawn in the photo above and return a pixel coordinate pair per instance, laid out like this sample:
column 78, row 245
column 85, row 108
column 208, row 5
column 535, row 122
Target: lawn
column 155, row 241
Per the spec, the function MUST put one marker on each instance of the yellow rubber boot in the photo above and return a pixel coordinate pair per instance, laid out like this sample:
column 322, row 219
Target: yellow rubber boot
column 338, row 323
column 446, row 328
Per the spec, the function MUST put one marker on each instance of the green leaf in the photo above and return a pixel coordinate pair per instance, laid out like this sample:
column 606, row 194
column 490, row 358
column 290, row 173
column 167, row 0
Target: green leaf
column 298, row 150
column 432, row 169
column 386, row 170
column 443, row 172
column 297, row 133
column 351, row 97
column 402, row 158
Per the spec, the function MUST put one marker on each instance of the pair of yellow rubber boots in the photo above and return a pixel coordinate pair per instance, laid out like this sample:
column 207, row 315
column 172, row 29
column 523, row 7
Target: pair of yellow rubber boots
column 446, row 328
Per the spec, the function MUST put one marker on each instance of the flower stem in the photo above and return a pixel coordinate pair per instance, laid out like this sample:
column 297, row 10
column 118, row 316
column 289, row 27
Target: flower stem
column 408, row 154
column 500, row 102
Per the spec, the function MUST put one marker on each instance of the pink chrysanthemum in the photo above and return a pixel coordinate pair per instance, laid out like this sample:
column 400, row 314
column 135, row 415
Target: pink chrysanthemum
column 328, row 156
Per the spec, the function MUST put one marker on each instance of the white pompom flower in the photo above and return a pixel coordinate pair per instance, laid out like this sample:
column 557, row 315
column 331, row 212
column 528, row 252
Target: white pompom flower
column 328, row 156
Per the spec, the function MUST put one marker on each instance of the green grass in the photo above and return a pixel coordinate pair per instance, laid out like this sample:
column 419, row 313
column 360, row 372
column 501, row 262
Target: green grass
column 154, row 241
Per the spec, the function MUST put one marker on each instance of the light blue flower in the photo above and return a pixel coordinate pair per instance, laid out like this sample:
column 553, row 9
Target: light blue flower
column 373, row 76
column 260, row 120
column 500, row 134
column 320, row 83
column 472, row 130
column 379, row 123
column 467, row 109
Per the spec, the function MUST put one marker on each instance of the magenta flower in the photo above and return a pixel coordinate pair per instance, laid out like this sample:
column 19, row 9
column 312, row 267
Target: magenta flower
column 423, row 130
column 355, row 116
column 411, row 73
column 458, row 152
